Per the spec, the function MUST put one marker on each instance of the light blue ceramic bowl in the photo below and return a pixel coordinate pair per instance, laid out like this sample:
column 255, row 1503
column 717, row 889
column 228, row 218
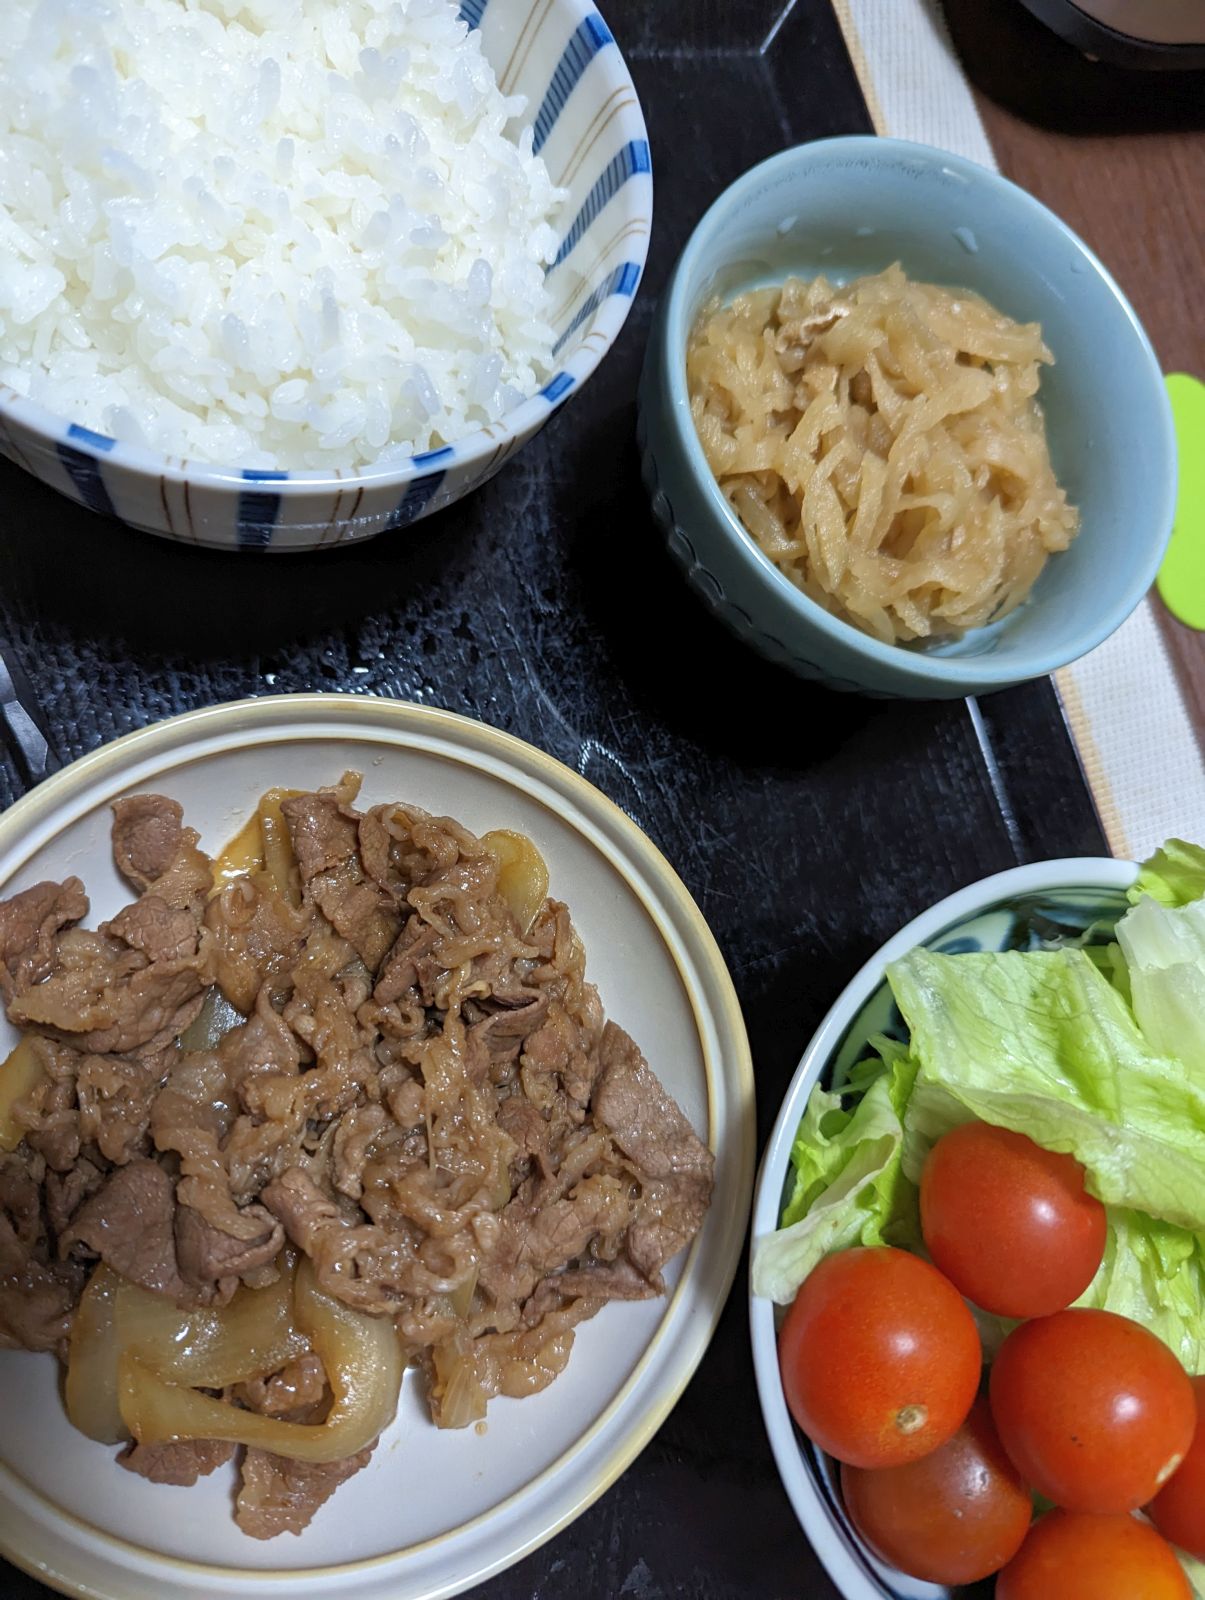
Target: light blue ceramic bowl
column 588, row 126
column 844, row 207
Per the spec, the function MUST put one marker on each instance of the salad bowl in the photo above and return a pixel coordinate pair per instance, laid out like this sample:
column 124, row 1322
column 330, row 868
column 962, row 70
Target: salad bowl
column 1020, row 909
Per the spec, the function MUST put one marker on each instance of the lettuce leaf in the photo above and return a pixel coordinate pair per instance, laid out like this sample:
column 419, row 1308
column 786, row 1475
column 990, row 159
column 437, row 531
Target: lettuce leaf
column 1098, row 1051
column 848, row 1186
column 1042, row 1043
column 1154, row 1272
column 1174, row 875
column 1164, row 948
column 1194, row 1571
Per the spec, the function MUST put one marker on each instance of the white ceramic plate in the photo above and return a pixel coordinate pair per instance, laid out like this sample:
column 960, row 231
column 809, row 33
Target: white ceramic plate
column 434, row 1512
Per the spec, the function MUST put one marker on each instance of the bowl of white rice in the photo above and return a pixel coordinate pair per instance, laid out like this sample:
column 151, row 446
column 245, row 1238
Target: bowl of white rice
column 277, row 274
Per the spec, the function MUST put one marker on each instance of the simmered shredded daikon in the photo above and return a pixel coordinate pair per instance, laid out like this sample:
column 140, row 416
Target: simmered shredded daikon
column 883, row 444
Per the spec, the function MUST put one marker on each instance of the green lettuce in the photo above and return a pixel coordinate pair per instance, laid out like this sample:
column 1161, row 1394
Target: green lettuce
column 1194, row 1571
column 1042, row 1043
column 848, row 1186
column 1154, row 1272
column 1164, row 949
column 1174, row 875
column 1097, row 1051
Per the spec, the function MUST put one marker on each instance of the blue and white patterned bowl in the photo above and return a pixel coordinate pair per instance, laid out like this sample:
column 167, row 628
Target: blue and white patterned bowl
column 1013, row 910
column 589, row 128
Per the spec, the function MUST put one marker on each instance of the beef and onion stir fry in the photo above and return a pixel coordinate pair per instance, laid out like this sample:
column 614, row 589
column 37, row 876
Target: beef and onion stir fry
column 338, row 1102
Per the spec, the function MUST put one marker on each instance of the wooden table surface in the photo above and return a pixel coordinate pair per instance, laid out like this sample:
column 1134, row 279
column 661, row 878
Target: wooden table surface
column 1120, row 155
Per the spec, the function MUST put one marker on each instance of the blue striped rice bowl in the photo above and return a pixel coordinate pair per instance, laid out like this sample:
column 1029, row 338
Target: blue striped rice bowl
column 589, row 128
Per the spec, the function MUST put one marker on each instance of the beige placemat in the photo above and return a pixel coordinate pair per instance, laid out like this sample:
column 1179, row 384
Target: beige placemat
column 1122, row 702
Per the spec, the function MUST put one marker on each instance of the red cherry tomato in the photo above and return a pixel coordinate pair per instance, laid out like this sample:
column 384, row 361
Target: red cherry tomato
column 1095, row 1412
column 1070, row 1556
column 955, row 1516
column 880, row 1357
column 1010, row 1224
column 1178, row 1510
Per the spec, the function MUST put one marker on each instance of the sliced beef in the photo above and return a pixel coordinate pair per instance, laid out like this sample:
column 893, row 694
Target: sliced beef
column 257, row 939
column 67, row 1191
column 114, row 1096
column 409, row 961
column 50, row 1112
column 134, row 1224
column 153, row 849
column 594, row 1280
column 130, row 1224
column 135, row 984
column 282, row 1496
column 191, row 1116
column 558, row 1056
column 147, row 830
column 208, row 1255
column 325, row 833
column 541, row 1236
column 646, row 1123
column 494, row 1040
column 279, row 1495
column 180, row 1462
column 159, row 931
column 144, row 1009
column 37, row 1299
column 369, row 1267
column 296, row 1391
column 426, row 1101
column 29, row 925
column 677, row 1171
column 38, row 1294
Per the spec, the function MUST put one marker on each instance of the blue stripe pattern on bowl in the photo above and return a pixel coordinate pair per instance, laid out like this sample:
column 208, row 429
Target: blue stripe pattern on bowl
column 83, row 468
column 634, row 158
column 586, row 123
column 585, row 44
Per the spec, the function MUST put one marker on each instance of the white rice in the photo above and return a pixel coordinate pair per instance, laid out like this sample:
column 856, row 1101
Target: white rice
column 267, row 233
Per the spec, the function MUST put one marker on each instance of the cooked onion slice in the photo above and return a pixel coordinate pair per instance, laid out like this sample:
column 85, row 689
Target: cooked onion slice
column 522, row 873
column 279, row 860
column 254, row 1335
column 262, row 844
column 215, row 1018
column 20, row 1074
column 457, row 1396
column 91, row 1384
column 363, row 1361
column 241, row 856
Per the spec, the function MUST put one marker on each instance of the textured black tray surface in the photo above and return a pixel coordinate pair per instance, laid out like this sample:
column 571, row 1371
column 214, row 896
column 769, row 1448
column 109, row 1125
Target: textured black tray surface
column 808, row 825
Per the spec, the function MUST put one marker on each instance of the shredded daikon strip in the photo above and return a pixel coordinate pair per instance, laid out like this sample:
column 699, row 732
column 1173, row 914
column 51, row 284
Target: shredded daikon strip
column 884, row 447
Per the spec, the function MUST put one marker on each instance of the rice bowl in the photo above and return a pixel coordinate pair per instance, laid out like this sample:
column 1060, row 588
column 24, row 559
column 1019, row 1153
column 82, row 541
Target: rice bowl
column 310, row 242
column 587, row 128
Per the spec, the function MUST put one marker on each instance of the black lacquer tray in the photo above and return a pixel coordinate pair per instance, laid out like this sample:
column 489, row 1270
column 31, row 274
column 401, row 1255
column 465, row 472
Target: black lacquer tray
column 808, row 825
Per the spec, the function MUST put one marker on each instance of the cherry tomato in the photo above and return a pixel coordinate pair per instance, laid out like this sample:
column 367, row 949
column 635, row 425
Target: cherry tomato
column 1095, row 1412
column 955, row 1516
column 1070, row 1556
column 1010, row 1224
column 880, row 1357
column 1178, row 1510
